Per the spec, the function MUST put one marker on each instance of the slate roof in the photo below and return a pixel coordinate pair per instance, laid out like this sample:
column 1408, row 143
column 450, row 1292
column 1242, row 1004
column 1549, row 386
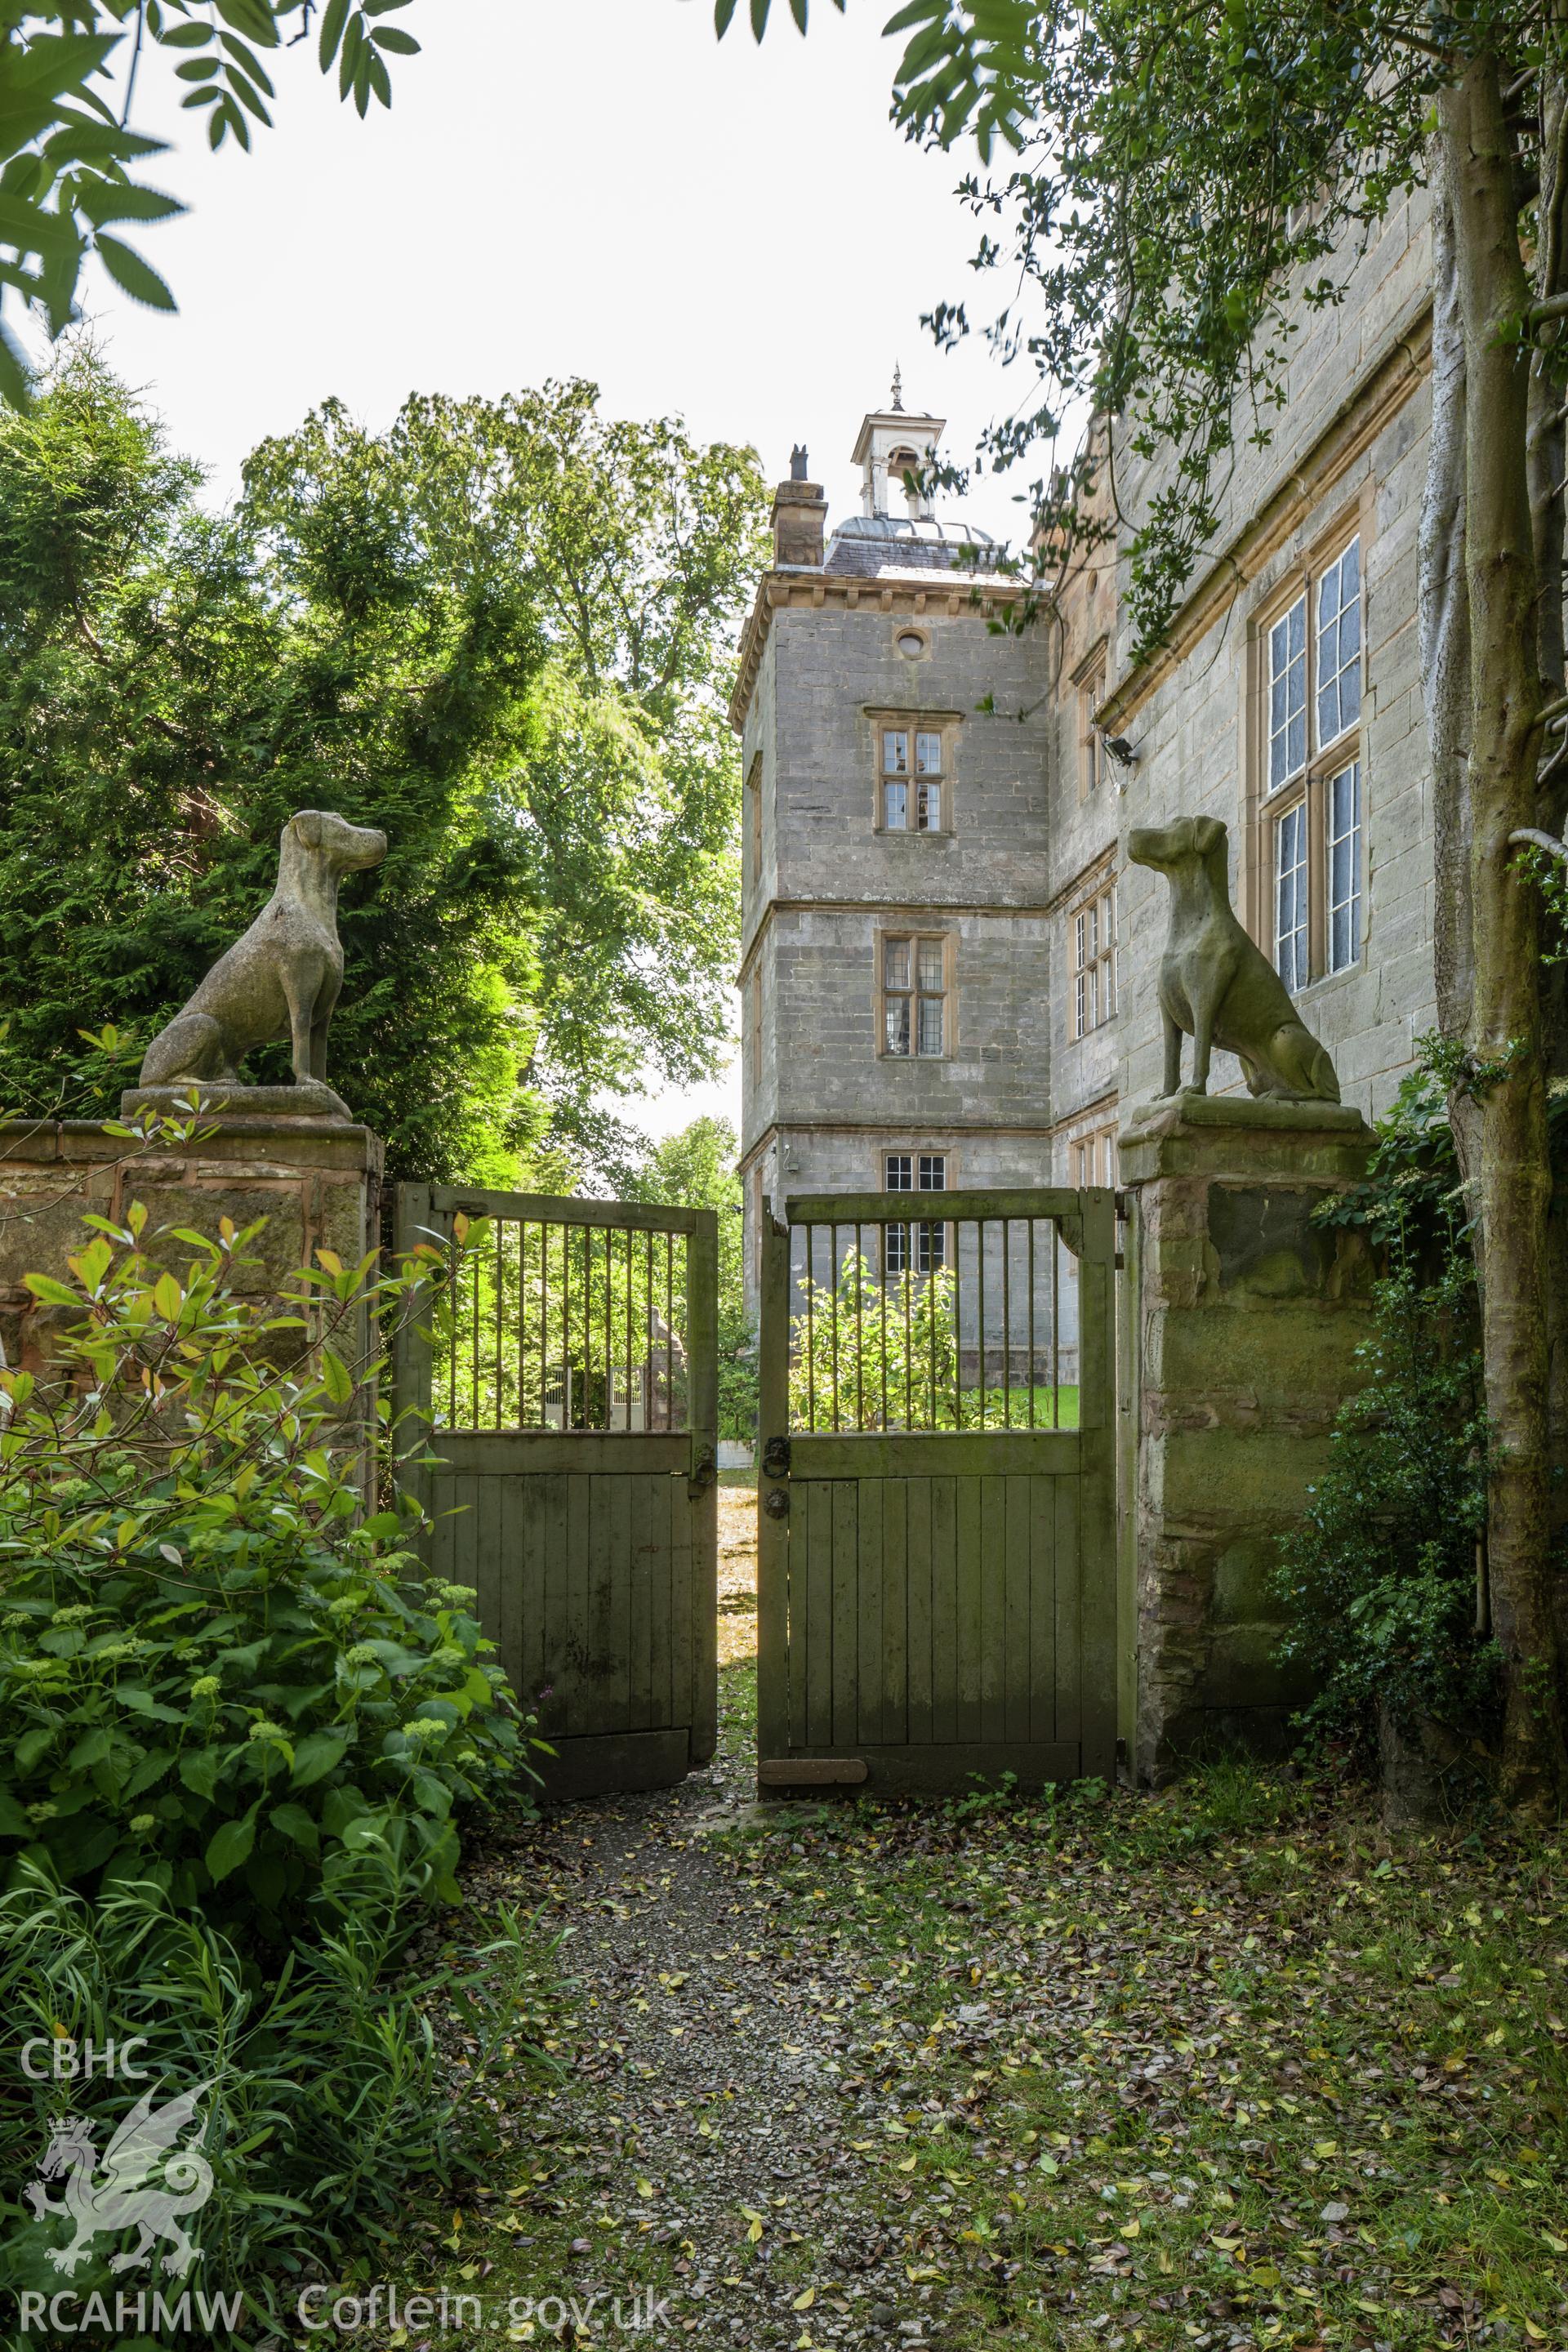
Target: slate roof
column 881, row 547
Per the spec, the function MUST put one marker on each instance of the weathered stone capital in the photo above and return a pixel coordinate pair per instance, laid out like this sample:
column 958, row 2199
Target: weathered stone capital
column 1244, row 1137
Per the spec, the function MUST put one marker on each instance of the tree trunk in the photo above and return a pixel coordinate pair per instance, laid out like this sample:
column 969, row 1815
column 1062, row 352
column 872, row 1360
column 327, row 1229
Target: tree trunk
column 1548, row 464
column 1445, row 621
column 1513, row 1180
column 1544, row 431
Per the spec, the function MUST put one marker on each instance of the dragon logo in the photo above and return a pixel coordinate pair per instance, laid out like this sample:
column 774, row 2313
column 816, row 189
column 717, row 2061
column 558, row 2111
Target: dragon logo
column 145, row 2184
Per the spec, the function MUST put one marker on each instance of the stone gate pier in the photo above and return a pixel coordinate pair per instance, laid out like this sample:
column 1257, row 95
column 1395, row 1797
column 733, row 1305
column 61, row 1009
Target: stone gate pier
column 316, row 1181
column 1244, row 1321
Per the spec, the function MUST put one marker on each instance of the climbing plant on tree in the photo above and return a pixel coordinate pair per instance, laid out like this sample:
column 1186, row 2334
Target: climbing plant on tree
column 1163, row 189
column 498, row 632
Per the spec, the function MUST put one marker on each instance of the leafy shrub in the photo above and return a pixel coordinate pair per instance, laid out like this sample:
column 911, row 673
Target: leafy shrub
column 214, row 1677
column 872, row 1353
column 326, row 2098
column 1379, row 1579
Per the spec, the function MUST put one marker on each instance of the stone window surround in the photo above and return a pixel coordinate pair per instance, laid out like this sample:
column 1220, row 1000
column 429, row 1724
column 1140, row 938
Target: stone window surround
column 1097, row 884
column 754, row 823
column 914, row 1152
column 1351, row 518
column 945, row 723
column 1101, row 1112
column 1089, row 679
column 914, row 927
column 1091, row 1157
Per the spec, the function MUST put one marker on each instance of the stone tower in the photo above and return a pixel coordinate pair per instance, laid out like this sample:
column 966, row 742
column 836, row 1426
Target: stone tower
column 895, row 977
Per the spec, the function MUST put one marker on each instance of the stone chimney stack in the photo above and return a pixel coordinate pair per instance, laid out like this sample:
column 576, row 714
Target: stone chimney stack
column 800, row 517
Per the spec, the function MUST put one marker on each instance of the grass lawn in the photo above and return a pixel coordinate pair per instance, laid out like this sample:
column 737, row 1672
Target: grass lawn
column 1222, row 2068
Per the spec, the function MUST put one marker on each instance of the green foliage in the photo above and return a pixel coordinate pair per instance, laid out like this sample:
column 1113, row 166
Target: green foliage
column 1550, row 876
column 869, row 1354
column 213, row 1676
column 696, row 1169
column 1176, row 180
column 499, row 632
column 328, row 2102
column 68, row 79
column 1379, row 1581
column 724, row 13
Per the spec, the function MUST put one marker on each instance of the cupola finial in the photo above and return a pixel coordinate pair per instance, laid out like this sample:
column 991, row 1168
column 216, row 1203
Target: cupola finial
column 898, row 389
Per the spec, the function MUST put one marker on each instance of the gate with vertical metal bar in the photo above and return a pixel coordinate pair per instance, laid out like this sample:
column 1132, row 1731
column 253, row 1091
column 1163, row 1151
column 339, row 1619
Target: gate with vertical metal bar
column 566, row 1376
column 937, row 1560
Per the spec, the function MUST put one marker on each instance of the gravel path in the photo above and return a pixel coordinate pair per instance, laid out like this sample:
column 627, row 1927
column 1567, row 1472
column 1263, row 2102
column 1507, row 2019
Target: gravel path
column 701, row 2145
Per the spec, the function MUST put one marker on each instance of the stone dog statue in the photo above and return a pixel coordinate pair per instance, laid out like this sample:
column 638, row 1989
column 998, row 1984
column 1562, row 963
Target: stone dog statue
column 1215, row 986
column 280, row 980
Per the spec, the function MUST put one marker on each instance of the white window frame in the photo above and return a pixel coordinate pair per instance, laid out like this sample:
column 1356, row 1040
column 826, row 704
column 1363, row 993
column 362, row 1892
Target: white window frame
column 1313, row 654
column 926, row 1172
column 1288, row 696
column 1345, row 678
column 1342, row 816
column 1293, row 897
column 1093, row 1158
column 1091, row 932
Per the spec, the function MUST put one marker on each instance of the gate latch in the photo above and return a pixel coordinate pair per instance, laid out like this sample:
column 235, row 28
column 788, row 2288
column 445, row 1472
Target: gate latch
column 775, row 1459
column 704, row 1471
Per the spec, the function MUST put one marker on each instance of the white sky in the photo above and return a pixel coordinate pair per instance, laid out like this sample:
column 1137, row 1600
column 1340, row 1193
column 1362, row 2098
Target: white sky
column 597, row 188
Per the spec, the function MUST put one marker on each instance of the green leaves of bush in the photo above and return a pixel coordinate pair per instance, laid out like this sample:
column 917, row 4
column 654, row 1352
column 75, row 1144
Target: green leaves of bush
column 1379, row 1580
column 214, row 1676
column 326, row 2102
column 266, row 1707
column 760, row 10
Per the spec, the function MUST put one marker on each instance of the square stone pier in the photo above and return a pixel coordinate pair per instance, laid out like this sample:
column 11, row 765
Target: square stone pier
column 1247, row 1320
column 317, row 1181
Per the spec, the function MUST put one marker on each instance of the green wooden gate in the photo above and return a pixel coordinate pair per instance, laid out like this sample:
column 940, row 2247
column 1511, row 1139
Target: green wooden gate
column 938, row 1564
column 567, row 1376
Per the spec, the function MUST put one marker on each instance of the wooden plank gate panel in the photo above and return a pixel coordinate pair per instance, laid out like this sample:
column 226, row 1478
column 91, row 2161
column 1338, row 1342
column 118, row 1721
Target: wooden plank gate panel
column 566, row 1381
column 938, row 1593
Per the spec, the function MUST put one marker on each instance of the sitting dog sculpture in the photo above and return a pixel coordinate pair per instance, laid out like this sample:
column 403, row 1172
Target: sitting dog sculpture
column 1215, row 986
column 281, row 980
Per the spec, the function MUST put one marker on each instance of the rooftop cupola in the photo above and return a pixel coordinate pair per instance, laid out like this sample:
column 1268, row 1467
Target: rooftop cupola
column 892, row 445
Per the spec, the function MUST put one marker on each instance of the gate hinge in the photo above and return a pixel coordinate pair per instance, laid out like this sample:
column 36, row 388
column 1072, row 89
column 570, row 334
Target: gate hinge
column 704, row 1471
column 775, row 1459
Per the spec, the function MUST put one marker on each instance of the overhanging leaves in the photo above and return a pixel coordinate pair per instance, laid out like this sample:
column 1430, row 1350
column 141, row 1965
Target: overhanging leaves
column 69, row 78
